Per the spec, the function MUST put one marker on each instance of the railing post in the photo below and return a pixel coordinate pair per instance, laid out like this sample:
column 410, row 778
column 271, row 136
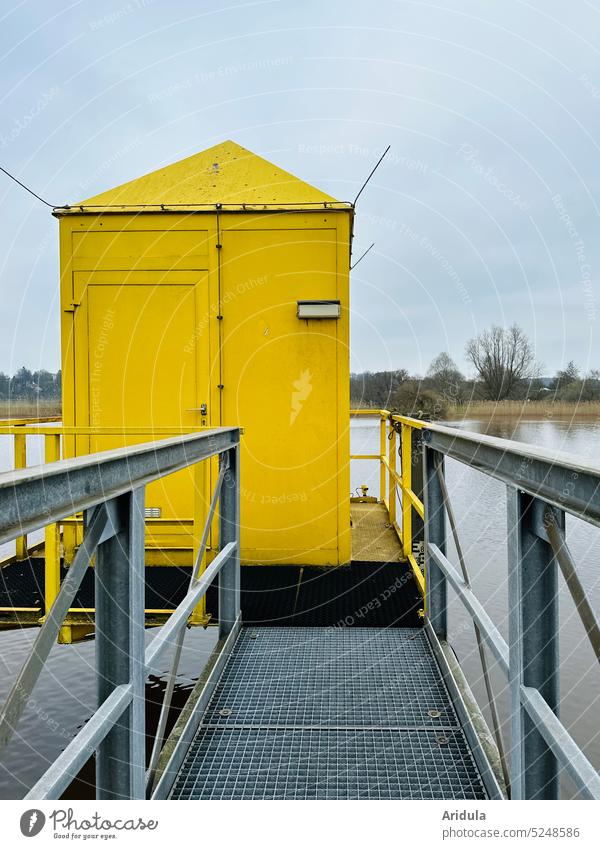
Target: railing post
column 201, row 488
column 229, row 531
column 417, row 480
column 382, row 453
column 406, row 449
column 533, row 644
column 436, row 595
column 120, row 646
column 70, row 535
column 20, row 462
column 51, row 534
column 392, row 454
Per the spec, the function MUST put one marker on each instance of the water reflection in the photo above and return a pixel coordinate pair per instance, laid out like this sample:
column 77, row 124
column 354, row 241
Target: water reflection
column 581, row 437
column 84, row 786
column 65, row 698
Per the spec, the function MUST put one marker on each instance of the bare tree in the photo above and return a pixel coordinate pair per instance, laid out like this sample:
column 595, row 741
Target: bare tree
column 502, row 357
column 445, row 376
column 566, row 376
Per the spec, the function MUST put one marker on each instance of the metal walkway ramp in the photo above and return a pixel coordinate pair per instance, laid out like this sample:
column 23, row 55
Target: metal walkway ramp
column 330, row 713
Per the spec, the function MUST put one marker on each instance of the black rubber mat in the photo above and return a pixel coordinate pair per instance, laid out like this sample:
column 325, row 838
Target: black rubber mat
column 22, row 585
column 358, row 595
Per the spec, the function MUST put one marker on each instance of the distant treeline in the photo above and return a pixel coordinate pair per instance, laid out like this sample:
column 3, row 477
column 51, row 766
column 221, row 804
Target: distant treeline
column 505, row 369
column 503, row 363
column 415, row 395
column 28, row 385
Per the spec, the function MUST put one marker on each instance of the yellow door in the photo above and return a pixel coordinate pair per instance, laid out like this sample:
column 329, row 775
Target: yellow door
column 147, row 338
column 280, row 385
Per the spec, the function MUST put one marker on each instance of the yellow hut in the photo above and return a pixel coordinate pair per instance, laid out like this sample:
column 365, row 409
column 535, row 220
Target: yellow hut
column 214, row 291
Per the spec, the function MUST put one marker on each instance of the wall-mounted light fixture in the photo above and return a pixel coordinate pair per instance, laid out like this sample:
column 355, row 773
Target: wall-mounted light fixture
column 319, row 309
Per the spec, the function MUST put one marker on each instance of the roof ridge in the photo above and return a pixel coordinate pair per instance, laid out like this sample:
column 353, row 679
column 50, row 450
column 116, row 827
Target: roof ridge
column 226, row 174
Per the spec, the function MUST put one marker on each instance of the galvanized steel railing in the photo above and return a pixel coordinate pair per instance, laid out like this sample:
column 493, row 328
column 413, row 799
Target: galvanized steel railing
column 109, row 487
column 541, row 487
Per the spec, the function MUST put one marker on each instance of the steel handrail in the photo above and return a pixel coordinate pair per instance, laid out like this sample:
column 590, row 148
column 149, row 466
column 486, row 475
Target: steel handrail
column 109, row 487
column 541, row 486
column 55, row 436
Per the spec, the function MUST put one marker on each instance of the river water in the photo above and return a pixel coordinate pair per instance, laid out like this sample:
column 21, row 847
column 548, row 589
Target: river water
column 64, row 697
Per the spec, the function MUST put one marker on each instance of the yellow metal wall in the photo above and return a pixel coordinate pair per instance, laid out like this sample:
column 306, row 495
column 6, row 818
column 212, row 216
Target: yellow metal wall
column 157, row 320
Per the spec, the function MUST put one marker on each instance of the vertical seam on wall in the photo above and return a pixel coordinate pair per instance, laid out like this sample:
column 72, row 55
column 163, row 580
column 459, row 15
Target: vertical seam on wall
column 220, row 320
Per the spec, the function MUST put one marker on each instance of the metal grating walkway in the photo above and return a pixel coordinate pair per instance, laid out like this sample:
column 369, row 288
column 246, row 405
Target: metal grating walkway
column 330, row 713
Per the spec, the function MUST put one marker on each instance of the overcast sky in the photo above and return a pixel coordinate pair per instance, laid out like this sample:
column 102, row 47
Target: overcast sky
column 486, row 210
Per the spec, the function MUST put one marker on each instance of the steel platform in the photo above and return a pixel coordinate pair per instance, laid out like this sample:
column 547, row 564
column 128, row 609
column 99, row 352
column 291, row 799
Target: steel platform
column 330, row 713
column 373, row 538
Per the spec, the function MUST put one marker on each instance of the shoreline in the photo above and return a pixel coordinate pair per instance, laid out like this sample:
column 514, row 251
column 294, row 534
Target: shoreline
column 484, row 410
column 26, row 410
column 518, row 411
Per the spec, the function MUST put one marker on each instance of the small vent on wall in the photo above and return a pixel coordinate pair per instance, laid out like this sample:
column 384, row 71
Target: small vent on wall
column 152, row 512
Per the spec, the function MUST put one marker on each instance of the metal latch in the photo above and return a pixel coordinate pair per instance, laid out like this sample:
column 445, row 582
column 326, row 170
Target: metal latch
column 202, row 409
column 73, row 307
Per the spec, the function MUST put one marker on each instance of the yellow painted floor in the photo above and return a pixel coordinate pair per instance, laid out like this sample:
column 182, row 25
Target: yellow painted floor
column 372, row 537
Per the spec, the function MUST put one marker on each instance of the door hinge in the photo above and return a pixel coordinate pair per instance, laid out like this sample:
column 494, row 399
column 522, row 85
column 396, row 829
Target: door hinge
column 73, row 307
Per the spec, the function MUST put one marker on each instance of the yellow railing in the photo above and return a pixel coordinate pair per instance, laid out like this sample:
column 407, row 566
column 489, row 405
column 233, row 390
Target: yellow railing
column 69, row 531
column 391, row 428
column 394, row 432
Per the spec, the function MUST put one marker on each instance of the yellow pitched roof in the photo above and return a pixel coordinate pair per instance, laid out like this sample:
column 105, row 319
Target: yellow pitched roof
column 226, row 173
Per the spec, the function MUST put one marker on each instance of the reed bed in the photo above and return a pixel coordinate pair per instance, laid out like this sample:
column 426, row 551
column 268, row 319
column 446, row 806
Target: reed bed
column 526, row 410
column 29, row 409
